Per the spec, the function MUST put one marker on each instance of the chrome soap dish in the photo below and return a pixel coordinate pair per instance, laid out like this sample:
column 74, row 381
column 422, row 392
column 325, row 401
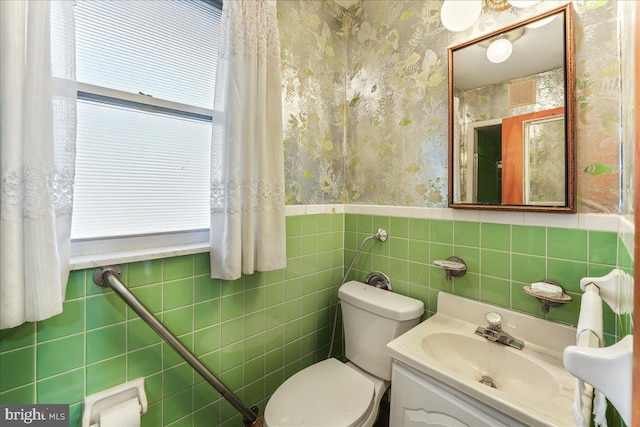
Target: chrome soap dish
column 454, row 266
column 550, row 294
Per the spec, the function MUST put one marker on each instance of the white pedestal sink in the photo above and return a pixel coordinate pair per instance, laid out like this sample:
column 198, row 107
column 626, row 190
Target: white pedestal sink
column 532, row 385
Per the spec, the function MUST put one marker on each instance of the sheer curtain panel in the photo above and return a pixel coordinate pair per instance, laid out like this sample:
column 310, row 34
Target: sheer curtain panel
column 247, row 157
column 37, row 155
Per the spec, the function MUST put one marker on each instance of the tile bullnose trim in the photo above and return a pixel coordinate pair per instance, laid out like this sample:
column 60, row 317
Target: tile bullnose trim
column 591, row 222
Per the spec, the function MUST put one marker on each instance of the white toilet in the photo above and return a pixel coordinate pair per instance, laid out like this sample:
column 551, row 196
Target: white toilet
column 334, row 394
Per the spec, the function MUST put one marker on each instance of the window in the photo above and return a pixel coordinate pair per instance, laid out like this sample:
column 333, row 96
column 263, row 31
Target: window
column 146, row 76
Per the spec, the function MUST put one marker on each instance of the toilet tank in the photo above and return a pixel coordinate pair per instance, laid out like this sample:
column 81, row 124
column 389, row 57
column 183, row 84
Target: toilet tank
column 372, row 318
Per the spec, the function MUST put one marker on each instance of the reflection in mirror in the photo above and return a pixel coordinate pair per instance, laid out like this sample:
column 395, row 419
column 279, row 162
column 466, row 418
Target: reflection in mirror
column 511, row 127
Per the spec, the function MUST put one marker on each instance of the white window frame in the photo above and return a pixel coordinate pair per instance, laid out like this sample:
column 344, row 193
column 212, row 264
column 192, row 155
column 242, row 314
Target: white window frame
column 93, row 252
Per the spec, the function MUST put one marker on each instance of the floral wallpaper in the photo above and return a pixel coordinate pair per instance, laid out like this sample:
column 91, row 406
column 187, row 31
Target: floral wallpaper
column 366, row 100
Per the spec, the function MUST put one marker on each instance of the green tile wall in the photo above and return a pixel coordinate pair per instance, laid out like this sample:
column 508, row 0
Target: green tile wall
column 257, row 331
column 253, row 332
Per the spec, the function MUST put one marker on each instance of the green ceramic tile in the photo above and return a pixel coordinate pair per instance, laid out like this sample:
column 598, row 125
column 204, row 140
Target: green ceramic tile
column 255, row 299
column 22, row 395
column 206, row 340
column 567, row 243
column 254, row 393
column 495, row 291
column 232, row 331
column 467, row 286
column 206, row 313
column 273, row 380
column 350, row 222
column 528, row 269
column 309, row 224
column 337, row 222
column 65, row 388
column 231, row 306
column 205, row 288
column 231, row 357
column 323, row 261
column 308, row 303
column 255, row 323
column 150, row 296
column 153, row 417
column 75, row 285
column 201, row 263
column 144, row 272
column 104, row 310
column 603, row 247
column 438, row 281
column 294, row 225
column 309, row 244
column 439, row 251
column 180, row 320
column 254, row 346
column 566, row 273
column 177, row 293
column 20, row 336
column 292, row 352
column 275, row 276
column 308, row 264
column 275, row 294
column 75, row 414
column 177, row 267
column 324, row 223
column 398, row 227
column 153, row 387
column 253, row 370
column 294, row 268
column 365, row 225
column 495, row 236
column 274, row 360
column 418, row 251
column 399, row 248
column 180, row 405
column 208, row 415
column 529, row 240
column 176, row 379
column 170, row 357
column 398, row 270
column 566, row 313
column 419, row 228
column 323, row 242
column 441, row 231
column 495, row 263
column 466, row 233
column 106, row 342
column 292, row 310
column 57, row 356
column 17, row 368
column 139, row 335
column 294, row 246
column 103, row 375
column 144, row 362
column 419, row 273
column 69, row 322
column 275, row 316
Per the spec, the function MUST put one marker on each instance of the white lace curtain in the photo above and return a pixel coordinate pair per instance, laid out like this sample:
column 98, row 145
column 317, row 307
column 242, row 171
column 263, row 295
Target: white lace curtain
column 247, row 172
column 37, row 156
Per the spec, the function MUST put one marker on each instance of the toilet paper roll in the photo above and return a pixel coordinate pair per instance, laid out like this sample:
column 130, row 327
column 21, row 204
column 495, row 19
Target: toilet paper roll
column 590, row 317
column 125, row 414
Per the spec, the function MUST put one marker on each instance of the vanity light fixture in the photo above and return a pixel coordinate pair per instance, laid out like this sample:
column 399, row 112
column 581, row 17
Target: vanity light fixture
column 499, row 50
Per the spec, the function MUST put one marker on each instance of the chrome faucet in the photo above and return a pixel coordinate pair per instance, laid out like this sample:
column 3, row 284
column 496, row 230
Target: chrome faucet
column 493, row 332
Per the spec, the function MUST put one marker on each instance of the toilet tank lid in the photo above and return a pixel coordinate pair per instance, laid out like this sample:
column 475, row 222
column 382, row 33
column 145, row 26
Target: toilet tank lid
column 388, row 304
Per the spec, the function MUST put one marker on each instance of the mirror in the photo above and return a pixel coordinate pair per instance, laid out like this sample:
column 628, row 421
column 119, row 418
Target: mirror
column 511, row 101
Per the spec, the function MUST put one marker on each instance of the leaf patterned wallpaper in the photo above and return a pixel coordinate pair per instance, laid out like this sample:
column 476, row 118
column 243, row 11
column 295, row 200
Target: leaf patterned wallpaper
column 366, row 99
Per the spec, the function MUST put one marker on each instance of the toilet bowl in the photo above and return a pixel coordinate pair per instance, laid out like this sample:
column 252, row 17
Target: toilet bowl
column 335, row 394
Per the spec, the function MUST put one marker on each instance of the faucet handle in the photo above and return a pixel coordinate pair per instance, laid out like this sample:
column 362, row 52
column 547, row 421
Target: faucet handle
column 494, row 320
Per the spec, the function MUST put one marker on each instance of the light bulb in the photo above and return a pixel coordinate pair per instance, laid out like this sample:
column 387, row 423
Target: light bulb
column 499, row 50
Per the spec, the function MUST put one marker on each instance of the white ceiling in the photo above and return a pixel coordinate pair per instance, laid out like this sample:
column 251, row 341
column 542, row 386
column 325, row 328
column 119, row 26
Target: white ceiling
column 537, row 50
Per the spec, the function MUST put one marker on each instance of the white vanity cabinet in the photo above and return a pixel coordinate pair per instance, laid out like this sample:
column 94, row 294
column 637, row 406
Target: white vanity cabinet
column 418, row 400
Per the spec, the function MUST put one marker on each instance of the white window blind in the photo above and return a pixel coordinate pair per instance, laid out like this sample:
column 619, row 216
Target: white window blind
column 147, row 73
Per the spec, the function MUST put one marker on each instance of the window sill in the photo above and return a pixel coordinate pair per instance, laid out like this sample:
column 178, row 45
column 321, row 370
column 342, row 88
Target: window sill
column 111, row 258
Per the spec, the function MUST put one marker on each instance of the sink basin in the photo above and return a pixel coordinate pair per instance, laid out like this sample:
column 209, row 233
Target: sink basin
column 475, row 357
column 532, row 385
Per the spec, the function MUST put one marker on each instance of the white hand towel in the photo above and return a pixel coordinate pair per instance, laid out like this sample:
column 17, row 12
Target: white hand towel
column 576, row 410
column 599, row 409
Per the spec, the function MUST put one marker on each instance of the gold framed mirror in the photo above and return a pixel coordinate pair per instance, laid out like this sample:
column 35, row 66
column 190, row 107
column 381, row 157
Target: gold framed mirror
column 511, row 117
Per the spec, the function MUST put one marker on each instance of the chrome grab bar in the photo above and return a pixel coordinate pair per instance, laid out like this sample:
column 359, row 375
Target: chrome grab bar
column 110, row 276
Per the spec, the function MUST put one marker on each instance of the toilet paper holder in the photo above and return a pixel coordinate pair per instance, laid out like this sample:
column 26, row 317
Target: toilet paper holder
column 96, row 403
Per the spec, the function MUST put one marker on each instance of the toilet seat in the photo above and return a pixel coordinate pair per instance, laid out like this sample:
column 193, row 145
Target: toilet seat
column 328, row 393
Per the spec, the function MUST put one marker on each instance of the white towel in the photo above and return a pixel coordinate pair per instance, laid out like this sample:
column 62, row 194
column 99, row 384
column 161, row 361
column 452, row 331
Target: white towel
column 599, row 409
column 576, row 410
